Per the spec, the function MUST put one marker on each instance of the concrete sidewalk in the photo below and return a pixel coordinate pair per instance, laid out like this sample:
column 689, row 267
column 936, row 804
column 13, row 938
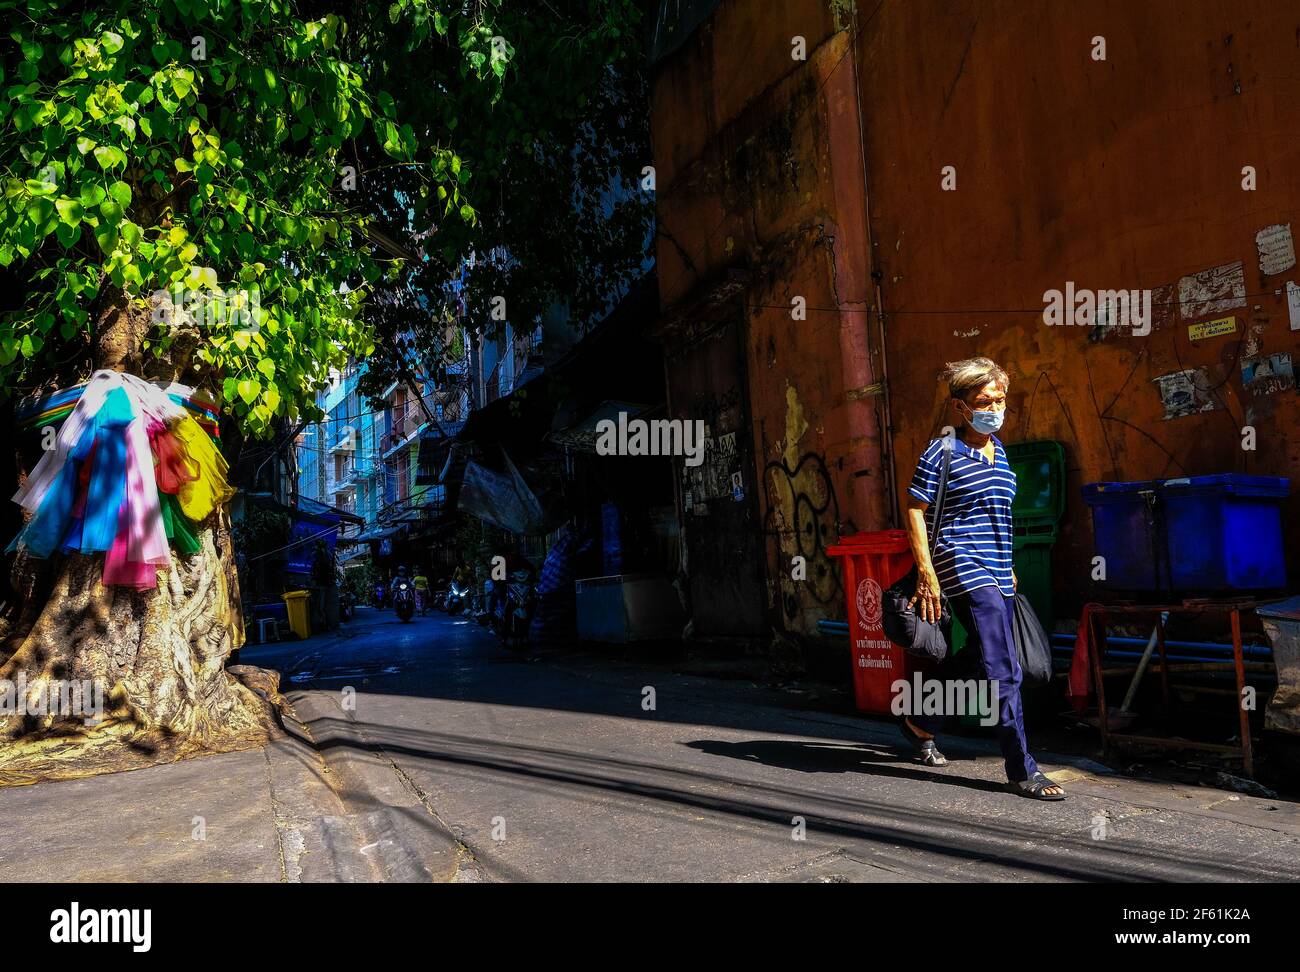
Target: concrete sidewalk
column 276, row 813
column 410, row 746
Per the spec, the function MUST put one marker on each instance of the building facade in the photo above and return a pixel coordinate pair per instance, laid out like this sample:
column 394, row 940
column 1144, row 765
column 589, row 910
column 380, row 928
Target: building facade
column 851, row 196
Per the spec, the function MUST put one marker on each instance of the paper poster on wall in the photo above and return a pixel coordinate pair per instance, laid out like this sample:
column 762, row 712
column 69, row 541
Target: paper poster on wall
column 1212, row 291
column 1293, row 304
column 1186, row 393
column 1214, row 328
column 1267, row 374
column 1276, row 248
column 737, row 487
column 1164, row 306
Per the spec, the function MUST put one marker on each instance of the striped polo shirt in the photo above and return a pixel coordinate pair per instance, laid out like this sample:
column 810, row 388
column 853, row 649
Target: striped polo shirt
column 972, row 547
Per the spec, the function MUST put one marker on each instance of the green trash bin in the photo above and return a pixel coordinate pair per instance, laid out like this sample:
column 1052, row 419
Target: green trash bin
column 1031, row 552
column 1035, row 515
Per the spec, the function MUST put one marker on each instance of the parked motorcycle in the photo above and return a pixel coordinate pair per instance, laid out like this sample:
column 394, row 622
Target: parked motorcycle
column 514, row 602
column 404, row 600
column 381, row 595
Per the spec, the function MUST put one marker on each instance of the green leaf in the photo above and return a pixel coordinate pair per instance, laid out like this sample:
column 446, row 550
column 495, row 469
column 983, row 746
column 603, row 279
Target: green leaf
column 69, row 115
column 70, row 210
column 121, row 192
column 109, row 157
column 68, row 234
column 267, row 367
column 92, row 195
column 249, row 389
column 106, row 237
column 111, row 212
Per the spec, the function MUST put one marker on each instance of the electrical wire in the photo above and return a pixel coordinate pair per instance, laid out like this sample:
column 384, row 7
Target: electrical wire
column 295, row 543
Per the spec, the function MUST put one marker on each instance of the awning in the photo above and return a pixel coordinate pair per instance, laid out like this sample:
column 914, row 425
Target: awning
column 379, row 533
column 502, row 498
column 615, row 360
column 308, row 509
column 581, row 436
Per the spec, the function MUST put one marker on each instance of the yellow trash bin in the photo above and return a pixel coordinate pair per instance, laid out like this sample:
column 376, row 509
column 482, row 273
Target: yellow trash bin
column 295, row 603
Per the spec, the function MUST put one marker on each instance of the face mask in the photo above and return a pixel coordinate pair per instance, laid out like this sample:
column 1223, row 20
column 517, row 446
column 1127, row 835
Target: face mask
column 986, row 423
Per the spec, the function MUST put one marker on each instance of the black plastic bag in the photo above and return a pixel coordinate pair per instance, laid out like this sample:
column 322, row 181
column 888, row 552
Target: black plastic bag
column 1032, row 644
column 905, row 627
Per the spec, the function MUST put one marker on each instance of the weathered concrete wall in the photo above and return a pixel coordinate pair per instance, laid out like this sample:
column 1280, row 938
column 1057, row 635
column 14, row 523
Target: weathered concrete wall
column 759, row 167
column 1122, row 173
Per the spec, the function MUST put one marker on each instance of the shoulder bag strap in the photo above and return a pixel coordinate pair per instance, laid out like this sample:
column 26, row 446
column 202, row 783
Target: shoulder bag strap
column 941, row 493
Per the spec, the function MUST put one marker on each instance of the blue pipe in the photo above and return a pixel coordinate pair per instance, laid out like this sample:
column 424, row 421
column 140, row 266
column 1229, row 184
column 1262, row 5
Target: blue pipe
column 1065, row 642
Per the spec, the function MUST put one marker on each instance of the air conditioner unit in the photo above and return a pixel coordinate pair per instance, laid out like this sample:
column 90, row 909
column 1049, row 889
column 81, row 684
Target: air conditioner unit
column 628, row 607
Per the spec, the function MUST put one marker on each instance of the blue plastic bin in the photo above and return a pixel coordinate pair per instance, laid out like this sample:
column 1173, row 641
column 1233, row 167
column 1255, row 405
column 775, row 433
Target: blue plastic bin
column 1207, row 534
column 1124, row 532
column 1225, row 532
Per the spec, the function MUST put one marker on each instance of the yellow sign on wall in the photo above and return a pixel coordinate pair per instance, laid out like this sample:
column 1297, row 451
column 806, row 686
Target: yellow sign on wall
column 1214, row 328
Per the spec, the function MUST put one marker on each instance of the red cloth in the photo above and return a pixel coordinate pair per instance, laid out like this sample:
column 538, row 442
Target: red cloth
column 1079, row 689
column 171, row 461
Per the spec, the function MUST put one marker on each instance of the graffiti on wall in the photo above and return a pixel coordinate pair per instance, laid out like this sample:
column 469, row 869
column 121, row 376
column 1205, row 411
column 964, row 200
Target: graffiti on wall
column 802, row 516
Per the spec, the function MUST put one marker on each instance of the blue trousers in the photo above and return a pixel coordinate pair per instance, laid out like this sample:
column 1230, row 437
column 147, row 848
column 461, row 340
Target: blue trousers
column 986, row 615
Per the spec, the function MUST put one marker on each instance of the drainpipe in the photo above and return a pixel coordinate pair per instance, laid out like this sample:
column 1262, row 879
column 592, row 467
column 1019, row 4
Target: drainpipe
column 866, row 401
column 887, row 425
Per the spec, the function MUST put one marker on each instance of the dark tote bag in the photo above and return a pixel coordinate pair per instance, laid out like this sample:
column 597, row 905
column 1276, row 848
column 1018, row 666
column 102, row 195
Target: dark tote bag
column 903, row 625
column 1032, row 644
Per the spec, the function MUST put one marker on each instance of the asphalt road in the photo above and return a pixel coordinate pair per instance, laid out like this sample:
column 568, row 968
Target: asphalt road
column 581, row 767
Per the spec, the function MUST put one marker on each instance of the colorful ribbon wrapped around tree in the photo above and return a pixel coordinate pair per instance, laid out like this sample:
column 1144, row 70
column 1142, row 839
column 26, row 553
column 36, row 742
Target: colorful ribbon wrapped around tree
column 134, row 467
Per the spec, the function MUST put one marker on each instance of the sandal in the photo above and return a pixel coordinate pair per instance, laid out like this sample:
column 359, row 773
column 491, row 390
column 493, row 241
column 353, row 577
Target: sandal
column 1035, row 788
column 926, row 752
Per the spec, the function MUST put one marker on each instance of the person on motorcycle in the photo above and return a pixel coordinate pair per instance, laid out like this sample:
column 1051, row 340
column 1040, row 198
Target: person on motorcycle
column 421, row 593
column 403, row 595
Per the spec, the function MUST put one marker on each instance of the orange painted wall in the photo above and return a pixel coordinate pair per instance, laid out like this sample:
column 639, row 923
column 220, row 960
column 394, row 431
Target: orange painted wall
column 759, row 166
column 1118, row 173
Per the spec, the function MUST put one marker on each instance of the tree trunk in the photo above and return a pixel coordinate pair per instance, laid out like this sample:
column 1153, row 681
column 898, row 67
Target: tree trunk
column 160, row 654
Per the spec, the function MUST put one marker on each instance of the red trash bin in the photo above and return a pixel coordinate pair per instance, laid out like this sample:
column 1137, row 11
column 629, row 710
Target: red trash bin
column 871, row 562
